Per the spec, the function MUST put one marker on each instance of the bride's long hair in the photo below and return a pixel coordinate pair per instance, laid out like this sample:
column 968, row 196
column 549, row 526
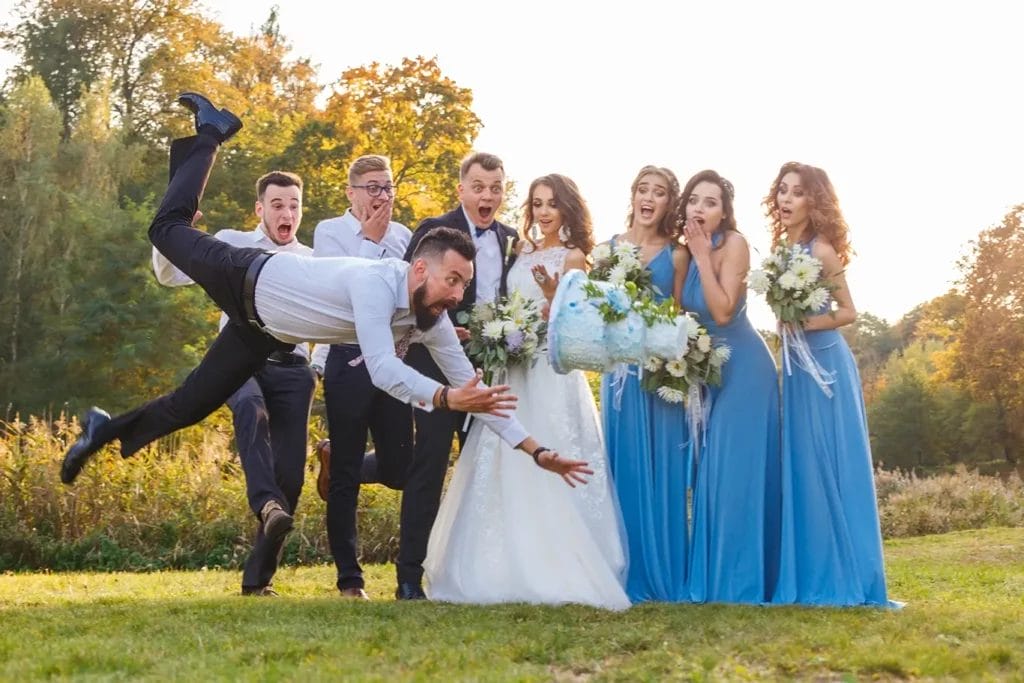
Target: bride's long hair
column 570, row 203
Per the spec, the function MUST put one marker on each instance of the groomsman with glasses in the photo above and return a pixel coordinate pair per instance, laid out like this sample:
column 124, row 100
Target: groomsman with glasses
column 354, row 406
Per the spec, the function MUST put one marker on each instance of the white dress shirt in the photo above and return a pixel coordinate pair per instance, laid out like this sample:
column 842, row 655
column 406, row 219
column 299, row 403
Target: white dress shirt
column 489, row 261
column 340, row 300
column 168, row 274
column 344, row 236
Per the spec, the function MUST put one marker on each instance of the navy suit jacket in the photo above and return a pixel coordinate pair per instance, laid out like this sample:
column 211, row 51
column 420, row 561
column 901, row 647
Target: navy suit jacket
column 457, row 219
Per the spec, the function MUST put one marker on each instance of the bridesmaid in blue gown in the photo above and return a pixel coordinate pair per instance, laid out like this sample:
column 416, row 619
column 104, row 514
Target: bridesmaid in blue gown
column 733, row 553
column 646, row 436
column 831, row 542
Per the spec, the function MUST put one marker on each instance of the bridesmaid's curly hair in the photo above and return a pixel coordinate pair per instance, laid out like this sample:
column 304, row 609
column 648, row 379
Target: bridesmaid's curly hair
column 666, row 228
column 572, row 206
column 826, row 218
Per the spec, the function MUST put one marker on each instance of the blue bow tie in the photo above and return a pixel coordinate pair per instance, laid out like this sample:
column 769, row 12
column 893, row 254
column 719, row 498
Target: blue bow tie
column 480, row 231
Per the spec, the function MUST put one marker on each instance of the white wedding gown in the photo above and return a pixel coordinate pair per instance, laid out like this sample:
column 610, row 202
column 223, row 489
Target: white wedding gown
column 509, row 531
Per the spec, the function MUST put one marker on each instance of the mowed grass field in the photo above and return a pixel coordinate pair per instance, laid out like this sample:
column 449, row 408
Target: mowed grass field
column 964, row 619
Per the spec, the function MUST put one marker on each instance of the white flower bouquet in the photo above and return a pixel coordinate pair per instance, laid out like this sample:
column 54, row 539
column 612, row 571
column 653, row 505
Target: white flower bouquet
column 503, row 333
column 620, row 264
column 700, row 364
column 792, row 282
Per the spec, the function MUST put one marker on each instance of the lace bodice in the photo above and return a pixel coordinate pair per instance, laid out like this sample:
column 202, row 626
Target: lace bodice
column 521, row 277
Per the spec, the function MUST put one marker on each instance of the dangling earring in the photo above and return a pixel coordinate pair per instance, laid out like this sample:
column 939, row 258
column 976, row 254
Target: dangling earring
column 535, row 232
column 563, row 233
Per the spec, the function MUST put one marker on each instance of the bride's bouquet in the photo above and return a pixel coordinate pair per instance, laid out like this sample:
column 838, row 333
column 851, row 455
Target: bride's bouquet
column 791, row 281
column 503, row 333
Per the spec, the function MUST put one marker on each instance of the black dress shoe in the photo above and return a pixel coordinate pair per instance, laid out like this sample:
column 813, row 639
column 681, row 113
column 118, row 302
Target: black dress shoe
column 410, row 591
column 86, row 445
column 224, row 124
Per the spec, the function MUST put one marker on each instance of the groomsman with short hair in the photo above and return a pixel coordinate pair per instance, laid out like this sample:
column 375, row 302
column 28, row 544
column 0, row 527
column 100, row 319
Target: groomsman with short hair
column 271, row 410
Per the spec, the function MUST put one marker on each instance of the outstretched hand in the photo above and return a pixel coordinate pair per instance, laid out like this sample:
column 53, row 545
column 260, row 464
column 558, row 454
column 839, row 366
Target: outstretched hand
column 548, row 283
column 472, row 397
column 571, row 471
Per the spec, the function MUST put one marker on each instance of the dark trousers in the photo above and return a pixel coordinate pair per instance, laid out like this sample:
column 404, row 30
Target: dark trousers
column 422, row 495
column 238, row 351
column 354, row 408
column 271, row 416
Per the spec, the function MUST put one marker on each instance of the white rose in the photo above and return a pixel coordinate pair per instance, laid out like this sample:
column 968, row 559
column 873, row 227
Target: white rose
column 601, row 252
column 704, row 343
column 483, row 312
column 494, row 329
column 653, row 364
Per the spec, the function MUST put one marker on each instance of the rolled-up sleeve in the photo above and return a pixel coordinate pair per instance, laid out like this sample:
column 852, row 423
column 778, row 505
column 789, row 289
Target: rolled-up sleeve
column 373, row 305
column 446, row 350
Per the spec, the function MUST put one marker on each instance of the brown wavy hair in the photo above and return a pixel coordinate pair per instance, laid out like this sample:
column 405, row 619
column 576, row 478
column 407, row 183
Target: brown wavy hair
column 728, row 194
column 572, row 206
column 826, row 218
column 666, row 228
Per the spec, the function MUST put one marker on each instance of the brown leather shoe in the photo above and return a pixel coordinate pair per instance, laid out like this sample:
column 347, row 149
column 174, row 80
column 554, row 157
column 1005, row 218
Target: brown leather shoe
column 323, row 477
column 354, row 593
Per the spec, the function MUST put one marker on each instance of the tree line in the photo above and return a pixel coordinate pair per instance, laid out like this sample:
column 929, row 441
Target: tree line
column 85, row 118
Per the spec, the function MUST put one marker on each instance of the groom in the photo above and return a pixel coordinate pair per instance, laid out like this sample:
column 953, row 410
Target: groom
column 275, row 300
column 481, row 190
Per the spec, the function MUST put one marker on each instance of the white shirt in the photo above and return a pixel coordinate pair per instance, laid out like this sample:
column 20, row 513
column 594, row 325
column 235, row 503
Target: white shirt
column 339, row 300
column 168, row 274
column 489, row 261
column 344, row 236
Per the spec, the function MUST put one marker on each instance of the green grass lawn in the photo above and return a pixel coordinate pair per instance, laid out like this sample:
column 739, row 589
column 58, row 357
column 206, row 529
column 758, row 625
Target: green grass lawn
column 964, row 619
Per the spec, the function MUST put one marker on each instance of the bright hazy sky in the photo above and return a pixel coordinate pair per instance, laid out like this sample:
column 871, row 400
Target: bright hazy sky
column 913, row 108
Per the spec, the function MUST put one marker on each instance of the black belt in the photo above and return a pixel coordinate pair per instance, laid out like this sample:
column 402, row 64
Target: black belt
column 286, row 358
column 249, row 290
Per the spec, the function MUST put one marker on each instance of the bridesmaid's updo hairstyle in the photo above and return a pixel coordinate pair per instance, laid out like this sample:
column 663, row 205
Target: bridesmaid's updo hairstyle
column 728, row 223
column 665, row 228
column 570, row 203
column 826, row 218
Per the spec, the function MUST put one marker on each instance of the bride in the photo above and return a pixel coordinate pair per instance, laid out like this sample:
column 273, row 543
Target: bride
column 505, row 531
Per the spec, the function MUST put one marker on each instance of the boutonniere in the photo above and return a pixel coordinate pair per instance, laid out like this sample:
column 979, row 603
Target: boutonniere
column 509, row 244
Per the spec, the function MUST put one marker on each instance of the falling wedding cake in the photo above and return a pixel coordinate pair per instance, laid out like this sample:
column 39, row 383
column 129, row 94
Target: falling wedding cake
column 580, row 339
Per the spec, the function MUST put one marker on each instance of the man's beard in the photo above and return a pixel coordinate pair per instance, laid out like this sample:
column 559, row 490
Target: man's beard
column 425, row 318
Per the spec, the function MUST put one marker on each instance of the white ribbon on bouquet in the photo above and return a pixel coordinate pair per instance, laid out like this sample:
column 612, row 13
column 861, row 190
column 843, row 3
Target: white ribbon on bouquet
column 796, row 351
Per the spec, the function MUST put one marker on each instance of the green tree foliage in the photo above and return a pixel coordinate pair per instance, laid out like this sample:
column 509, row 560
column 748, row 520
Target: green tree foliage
column 411, row 113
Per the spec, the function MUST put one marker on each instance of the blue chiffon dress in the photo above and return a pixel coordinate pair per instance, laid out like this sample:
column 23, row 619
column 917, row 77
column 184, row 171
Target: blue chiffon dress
column 647, row 445
column 736, row 507
column 831, row 541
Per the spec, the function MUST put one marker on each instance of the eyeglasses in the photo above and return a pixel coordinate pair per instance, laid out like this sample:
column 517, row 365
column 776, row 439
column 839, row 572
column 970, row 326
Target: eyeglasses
column 374, row 190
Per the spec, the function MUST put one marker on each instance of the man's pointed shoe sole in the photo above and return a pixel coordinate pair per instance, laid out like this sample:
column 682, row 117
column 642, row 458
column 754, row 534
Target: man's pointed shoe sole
column 206, row 114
